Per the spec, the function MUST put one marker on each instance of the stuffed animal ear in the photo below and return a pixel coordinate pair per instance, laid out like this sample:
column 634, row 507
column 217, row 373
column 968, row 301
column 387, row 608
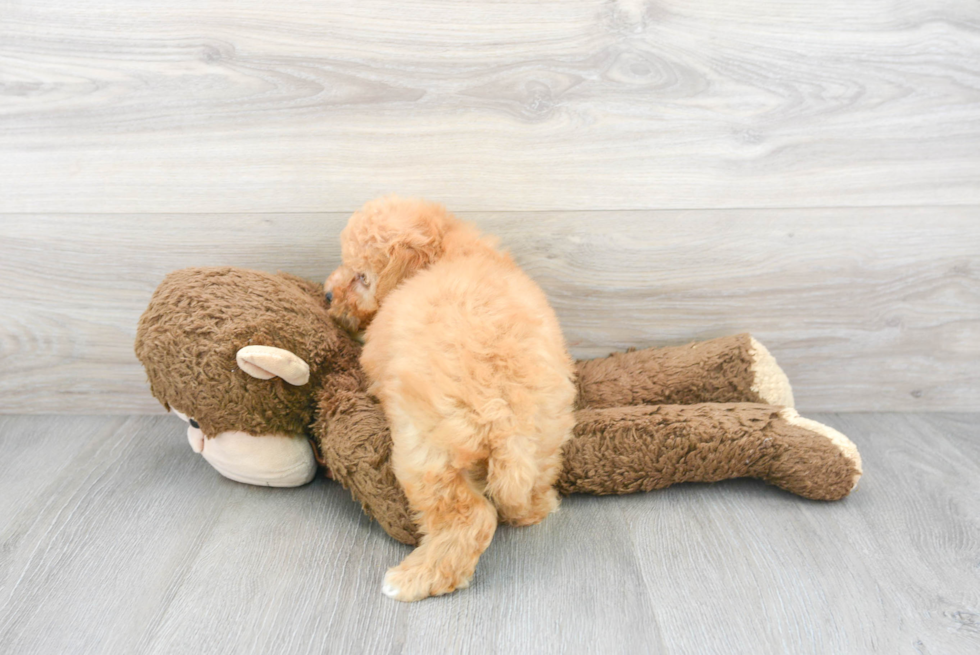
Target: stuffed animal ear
column 267, row 362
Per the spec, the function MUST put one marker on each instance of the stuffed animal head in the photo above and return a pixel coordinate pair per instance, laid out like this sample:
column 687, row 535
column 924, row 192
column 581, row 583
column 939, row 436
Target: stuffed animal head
column 240, row 350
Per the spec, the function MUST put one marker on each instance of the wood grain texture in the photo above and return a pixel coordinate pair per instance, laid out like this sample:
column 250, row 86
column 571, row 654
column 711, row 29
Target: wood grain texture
column 132, row 544
column 35, row 456
column 893, row 569
column 868, row 309
column 247, row 106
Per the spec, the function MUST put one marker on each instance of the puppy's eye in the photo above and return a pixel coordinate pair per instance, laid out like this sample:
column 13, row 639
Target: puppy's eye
column 362, row 278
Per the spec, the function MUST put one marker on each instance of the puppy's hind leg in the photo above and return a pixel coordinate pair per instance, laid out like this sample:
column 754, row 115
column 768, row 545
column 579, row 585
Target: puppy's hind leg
column 520, row 480
column 457, row 523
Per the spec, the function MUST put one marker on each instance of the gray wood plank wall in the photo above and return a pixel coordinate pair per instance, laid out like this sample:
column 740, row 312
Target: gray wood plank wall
column 667, row 170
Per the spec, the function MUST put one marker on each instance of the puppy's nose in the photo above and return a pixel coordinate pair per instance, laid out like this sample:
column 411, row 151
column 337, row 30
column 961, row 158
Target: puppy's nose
column 329, row 296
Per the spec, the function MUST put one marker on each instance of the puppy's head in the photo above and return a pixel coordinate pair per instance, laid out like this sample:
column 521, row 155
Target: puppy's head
column 385, row 242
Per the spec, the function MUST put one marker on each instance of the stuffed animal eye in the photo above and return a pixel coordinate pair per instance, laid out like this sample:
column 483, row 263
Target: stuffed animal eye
column 194, row 424
column 362, row 278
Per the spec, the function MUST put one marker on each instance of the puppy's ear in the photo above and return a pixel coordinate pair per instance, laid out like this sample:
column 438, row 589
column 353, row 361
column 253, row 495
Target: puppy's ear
column 412, row 251
column 406, row 259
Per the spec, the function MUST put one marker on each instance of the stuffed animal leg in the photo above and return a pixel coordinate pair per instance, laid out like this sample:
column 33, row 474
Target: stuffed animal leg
column 628, row 449
column 725, row 370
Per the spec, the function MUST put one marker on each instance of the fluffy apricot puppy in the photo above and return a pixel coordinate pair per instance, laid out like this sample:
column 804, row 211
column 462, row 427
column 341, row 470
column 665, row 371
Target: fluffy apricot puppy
column 469, row 363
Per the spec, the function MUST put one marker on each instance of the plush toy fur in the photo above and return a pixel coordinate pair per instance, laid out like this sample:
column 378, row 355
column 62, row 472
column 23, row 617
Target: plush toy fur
column 646, row 419
column 199, row 319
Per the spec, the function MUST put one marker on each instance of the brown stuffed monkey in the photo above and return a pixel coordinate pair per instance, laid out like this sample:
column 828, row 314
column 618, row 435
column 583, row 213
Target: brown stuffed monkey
column 254, row 364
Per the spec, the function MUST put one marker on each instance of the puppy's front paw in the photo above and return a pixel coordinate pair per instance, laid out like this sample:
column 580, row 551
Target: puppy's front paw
column 390, row 590
column 409, row 583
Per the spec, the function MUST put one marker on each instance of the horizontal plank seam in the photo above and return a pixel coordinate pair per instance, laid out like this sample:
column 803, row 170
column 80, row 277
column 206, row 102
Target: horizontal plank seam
column 506, row 211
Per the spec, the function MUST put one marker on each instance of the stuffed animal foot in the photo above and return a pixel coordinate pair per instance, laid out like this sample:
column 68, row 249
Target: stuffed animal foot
column 806, row 465
column 265, row 461
column 630, row 449
column 769, row 382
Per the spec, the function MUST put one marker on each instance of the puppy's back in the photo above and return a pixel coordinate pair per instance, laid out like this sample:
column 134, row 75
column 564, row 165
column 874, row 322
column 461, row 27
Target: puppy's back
column 471, row 332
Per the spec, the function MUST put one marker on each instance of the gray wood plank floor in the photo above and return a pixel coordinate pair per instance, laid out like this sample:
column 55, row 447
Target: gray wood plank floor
column 114, row 538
